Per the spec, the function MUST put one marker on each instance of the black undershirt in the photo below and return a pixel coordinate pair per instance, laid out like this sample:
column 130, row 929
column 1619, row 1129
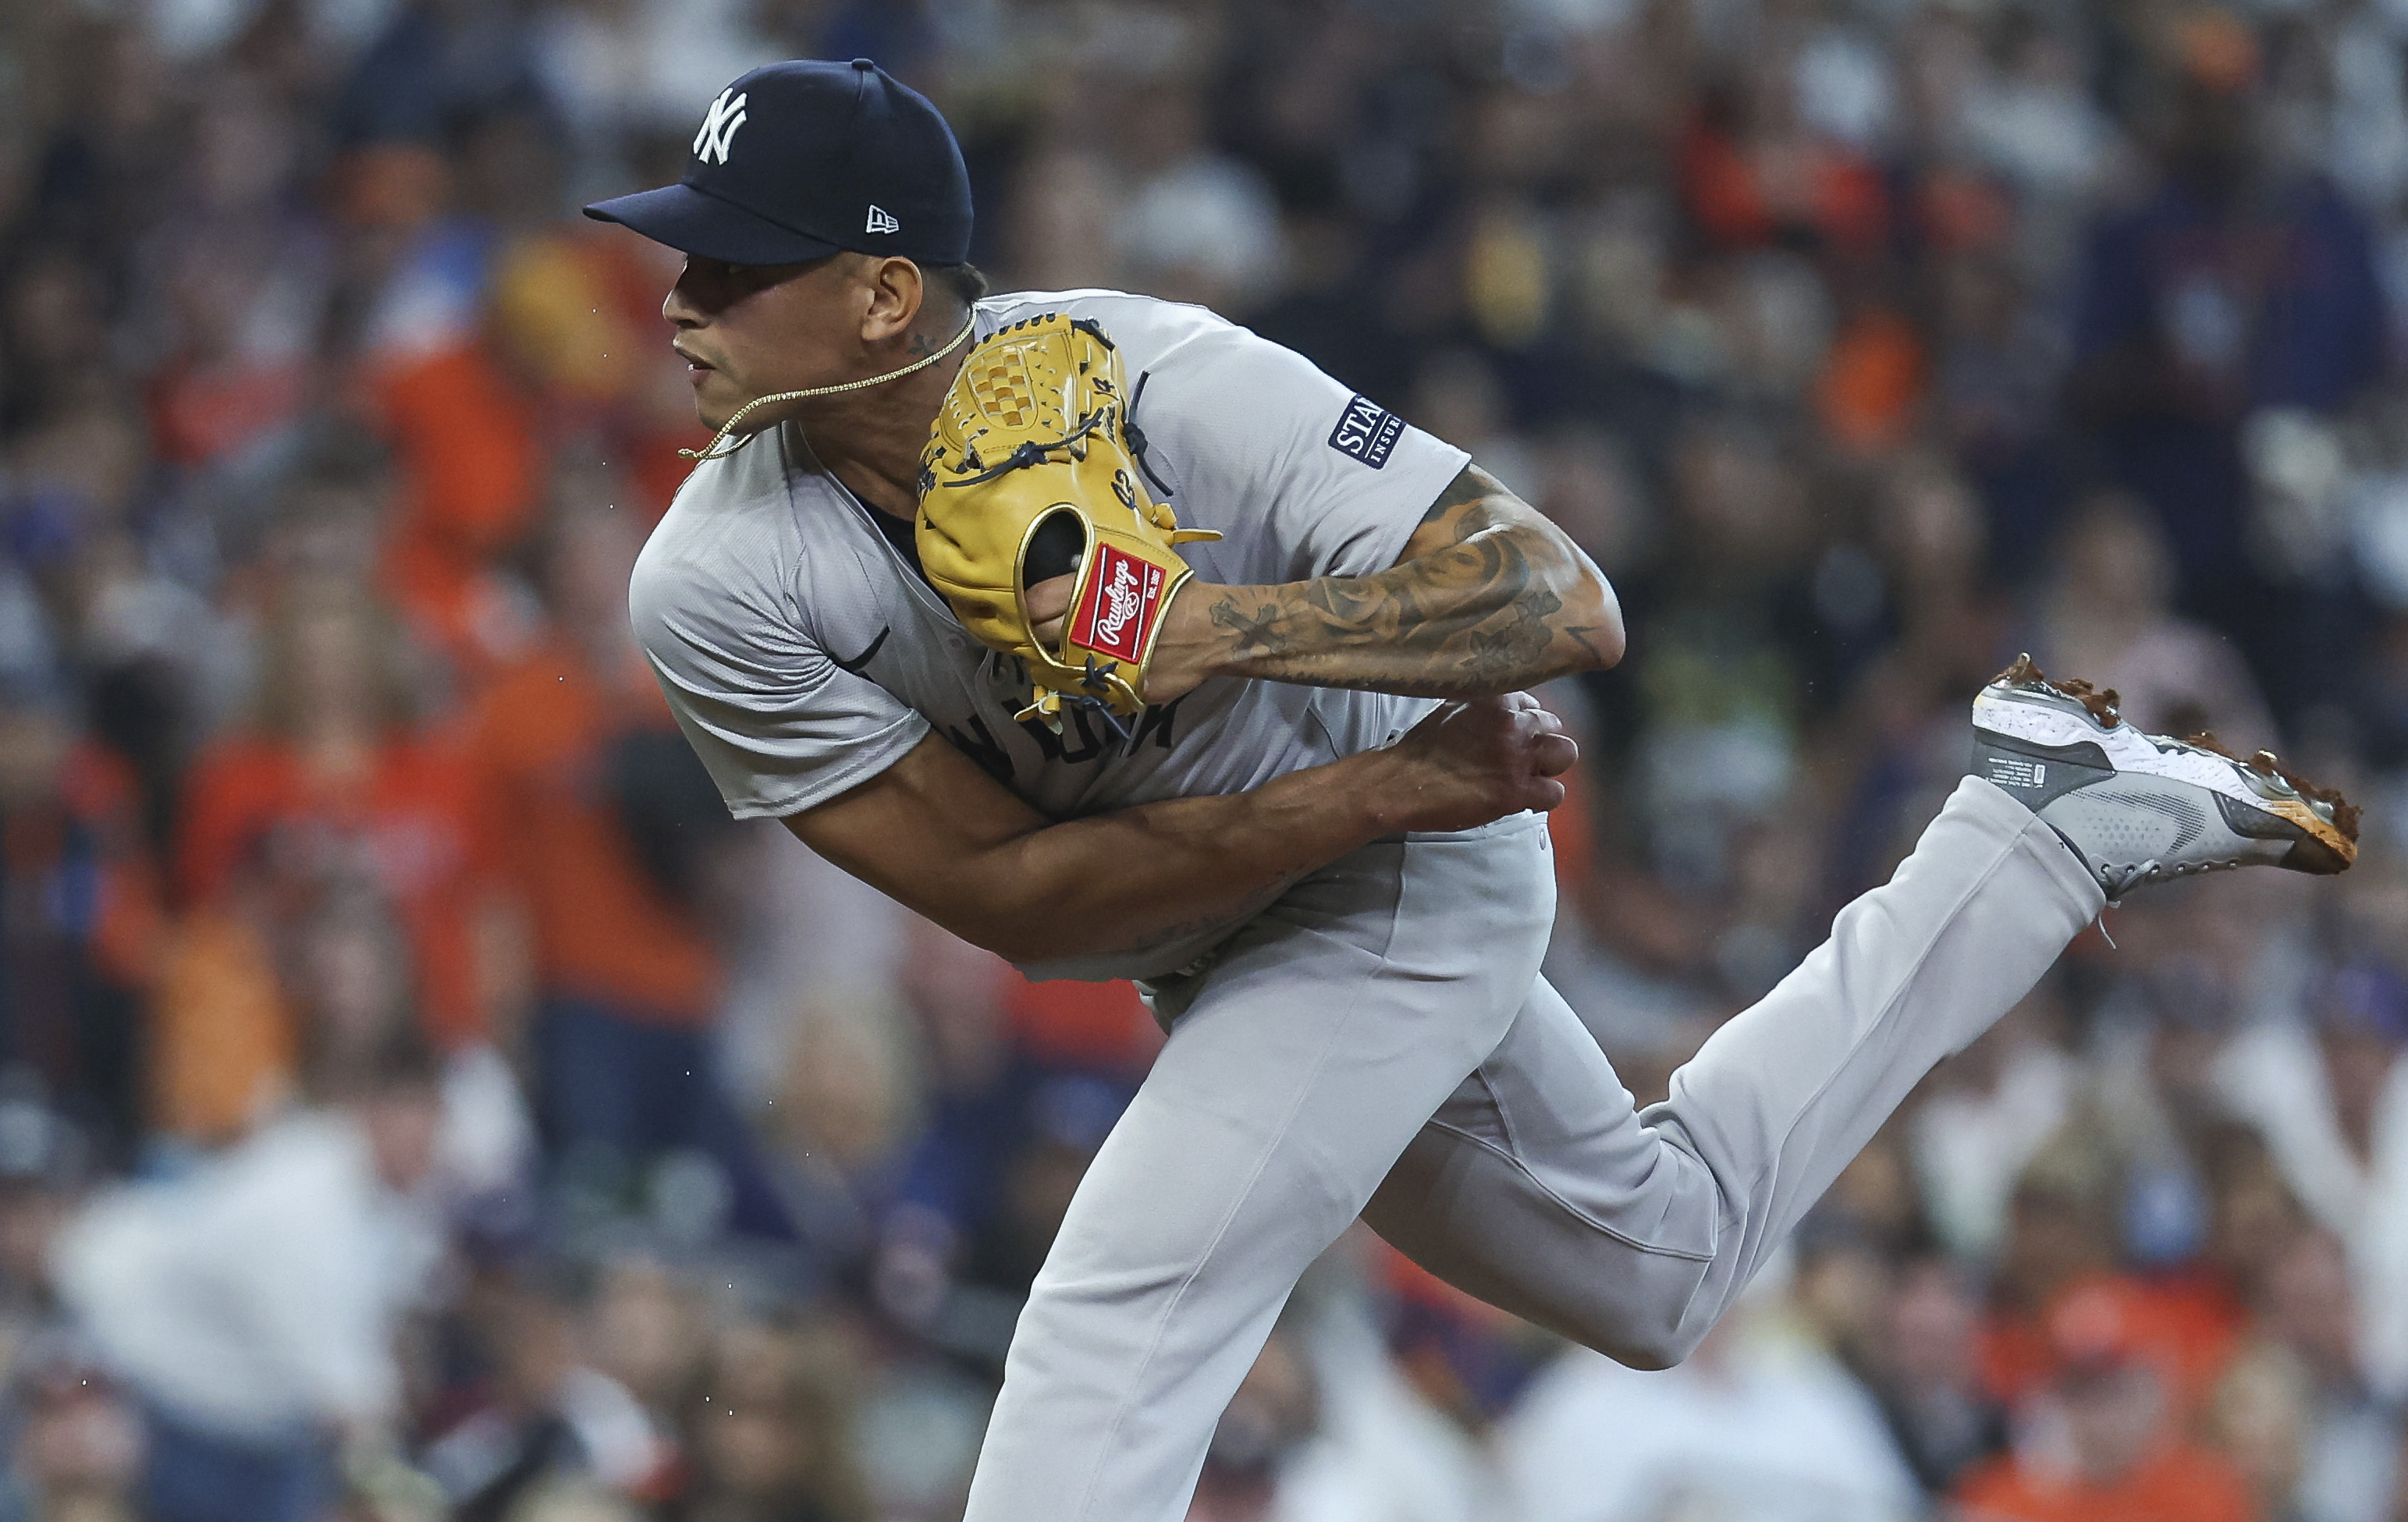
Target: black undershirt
column 899, row 532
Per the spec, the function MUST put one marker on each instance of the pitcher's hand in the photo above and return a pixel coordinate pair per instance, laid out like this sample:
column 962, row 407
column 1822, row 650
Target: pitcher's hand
column 1476, row 761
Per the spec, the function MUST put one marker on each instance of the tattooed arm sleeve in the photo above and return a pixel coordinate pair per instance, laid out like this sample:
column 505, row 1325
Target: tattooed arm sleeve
column 1487, row 597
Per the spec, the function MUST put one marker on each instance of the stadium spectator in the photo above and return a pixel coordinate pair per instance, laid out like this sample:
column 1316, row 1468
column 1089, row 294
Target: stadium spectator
column 79, row 901
column 2240, row 284
column 77, row 1442
column 333, row 778
column 2348, row 1458
column 1757, row 1422
column 774, row 1422
column 2121, row 1453
column 1926, row 1379
column 617, row 846
column 543, row 1418
column 2330, row 1102
column 2109, row 612
column 1863, row 345
column 252, row 1304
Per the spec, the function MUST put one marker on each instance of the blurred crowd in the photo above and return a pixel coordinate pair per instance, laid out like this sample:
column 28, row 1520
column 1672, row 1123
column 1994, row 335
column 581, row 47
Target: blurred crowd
column 418, row 1100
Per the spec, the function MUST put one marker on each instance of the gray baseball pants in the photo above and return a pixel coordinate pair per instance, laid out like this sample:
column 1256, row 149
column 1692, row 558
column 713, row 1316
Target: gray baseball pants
column 1380, row 1044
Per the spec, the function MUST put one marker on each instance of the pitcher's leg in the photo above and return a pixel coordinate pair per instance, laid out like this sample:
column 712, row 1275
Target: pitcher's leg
column 1315, row 1049
column 1536, row 1189
column 1785, row 1095
column 1537, row 1186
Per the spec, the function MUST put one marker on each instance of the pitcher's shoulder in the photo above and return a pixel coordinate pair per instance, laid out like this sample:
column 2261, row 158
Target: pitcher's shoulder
column 734, row 531
column 1148, row 324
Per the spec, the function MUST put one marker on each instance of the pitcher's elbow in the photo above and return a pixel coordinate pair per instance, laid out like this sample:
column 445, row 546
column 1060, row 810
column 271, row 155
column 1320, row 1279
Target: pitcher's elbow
column 1593, row 619
column 1611, row 639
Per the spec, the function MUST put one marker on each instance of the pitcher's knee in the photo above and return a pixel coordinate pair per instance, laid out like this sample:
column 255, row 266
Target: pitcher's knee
column 1657, row 1347
column 1634, row 1305
column 1650, row 1341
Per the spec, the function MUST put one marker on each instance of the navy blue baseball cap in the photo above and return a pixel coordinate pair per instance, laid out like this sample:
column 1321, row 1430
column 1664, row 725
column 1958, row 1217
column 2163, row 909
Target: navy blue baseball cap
column 799, row 161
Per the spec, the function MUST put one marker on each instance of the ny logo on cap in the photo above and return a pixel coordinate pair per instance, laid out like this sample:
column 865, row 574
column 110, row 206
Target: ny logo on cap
column 718, row 127
column 883, row 220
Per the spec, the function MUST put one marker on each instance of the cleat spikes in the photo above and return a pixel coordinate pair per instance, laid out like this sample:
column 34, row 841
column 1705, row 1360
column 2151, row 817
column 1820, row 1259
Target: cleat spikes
column 2104, row 704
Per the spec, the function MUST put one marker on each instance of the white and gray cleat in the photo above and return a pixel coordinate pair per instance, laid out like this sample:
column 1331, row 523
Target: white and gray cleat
column 2141, row 808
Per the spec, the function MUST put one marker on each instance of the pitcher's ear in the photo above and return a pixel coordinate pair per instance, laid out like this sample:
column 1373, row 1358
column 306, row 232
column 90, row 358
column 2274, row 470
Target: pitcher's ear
column 892, row 292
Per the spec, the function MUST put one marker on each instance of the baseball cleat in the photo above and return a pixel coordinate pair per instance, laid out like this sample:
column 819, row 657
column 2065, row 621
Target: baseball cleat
column 2138, row 808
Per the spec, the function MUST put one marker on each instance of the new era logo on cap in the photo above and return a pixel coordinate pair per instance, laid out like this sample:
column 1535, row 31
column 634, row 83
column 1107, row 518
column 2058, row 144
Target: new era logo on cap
column 883, row 220
column 718, row 126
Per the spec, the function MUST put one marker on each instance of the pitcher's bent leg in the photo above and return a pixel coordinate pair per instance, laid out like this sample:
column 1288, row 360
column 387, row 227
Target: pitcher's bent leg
column 1316, row 1048
column 1538, row 1188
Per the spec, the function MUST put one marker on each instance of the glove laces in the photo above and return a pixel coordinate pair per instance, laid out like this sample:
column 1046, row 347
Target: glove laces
column 712, row 449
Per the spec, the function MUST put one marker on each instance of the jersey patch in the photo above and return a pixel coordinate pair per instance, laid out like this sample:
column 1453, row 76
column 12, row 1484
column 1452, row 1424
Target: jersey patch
column 1365, row 431
column 1120, row 605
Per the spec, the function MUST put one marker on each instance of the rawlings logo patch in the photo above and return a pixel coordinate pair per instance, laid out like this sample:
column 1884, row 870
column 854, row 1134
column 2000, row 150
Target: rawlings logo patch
column 1118, row 609
column 1367, row 432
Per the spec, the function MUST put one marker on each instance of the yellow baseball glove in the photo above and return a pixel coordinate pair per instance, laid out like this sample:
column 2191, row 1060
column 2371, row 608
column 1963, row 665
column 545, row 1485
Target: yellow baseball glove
column 1029, row 474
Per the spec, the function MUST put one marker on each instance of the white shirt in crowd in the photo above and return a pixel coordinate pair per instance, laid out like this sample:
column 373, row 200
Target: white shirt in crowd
column 1759, row 1425
column 258, row 1295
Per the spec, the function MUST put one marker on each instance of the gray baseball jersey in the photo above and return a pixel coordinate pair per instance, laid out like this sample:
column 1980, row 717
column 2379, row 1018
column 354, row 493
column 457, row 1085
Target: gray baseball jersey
column 803, row 654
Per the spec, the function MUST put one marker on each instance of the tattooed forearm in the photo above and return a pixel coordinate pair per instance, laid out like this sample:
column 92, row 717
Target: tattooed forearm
column 1489, row 597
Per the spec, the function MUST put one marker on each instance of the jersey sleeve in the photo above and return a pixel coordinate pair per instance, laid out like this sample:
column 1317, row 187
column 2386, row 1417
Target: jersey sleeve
column 1306, row 478
column 780, row 725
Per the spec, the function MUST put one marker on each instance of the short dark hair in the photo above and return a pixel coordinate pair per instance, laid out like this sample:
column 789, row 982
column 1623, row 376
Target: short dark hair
column 965, row 282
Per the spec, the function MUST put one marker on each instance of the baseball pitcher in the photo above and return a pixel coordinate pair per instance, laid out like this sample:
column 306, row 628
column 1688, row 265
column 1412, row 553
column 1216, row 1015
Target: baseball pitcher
column 1125, row 643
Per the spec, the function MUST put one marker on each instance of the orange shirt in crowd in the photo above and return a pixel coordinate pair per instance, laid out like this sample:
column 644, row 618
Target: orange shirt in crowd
column 1872, row 382
column 1744, row 196
column 2181, row 1483
column 578, row 311
column 603, row 929
column 2188, row 1326
column 412, row 826
column 221, row 1048
column 471, row 464
column 1083, row 1025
